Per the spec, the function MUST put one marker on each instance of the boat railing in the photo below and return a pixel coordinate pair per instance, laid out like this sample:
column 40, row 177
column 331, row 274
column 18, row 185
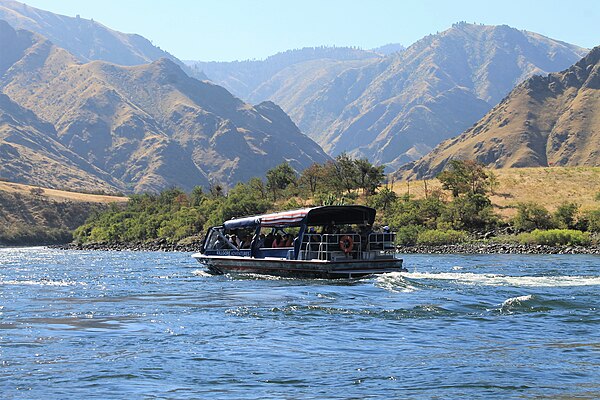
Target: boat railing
column 382, row 241
column 327, row 246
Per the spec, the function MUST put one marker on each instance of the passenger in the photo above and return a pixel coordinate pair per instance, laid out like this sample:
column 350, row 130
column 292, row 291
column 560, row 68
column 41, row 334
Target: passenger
column 364, row 233
column 278, row 241
column 288, row 240
column 387, row 234
column 269, row 240
column 234, row 239
column 245, row 242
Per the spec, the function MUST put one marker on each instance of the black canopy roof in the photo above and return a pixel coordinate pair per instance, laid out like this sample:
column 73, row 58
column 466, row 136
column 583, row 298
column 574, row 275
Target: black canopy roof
column 340, row 215
column 318, row 216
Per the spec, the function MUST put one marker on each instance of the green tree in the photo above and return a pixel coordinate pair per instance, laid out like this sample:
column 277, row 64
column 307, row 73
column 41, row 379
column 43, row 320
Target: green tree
column 565, row 216
column 369, row 177
column 464, row 176
column 197, row 196
column 257, row 187
column 531, row 216
column 473, row 211
column 591, row 220
column 383, row 199
column 279, row 178
column 342, row 173
column 216, row 190
column 311, row 177
column 492, row 181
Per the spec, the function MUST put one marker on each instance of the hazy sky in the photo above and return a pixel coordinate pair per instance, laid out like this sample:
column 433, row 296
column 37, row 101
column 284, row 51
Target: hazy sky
column 235, row 29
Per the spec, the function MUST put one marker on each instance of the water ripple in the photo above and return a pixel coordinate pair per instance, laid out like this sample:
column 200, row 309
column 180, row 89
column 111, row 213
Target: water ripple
column 79, row 325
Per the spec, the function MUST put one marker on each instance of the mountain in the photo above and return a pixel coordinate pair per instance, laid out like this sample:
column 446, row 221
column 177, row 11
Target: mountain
column 86, row 39
column 150, row 126
column 546, row 120
column 389, row 48
column 395, row 107
column 30, row 152
column 258, row 80
column 434, row 90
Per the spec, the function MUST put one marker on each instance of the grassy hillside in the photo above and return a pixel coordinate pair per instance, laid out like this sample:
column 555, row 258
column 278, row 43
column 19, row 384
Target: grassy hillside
column 31, row 215
column 59, row 195
column 546, row 186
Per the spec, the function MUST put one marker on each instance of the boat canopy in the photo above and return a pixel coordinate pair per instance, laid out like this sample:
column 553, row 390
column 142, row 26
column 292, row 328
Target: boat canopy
column 316, row 216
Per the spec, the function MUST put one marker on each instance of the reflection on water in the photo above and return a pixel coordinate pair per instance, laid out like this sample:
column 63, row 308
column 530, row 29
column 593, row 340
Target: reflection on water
column 125, row 324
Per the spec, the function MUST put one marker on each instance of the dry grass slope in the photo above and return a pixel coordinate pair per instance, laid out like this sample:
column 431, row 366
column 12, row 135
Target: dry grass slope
column 59, row 195
column 546, row 186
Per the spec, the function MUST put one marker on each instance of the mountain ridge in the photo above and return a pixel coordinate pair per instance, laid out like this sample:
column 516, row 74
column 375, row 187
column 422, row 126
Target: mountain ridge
column 244, row 78
column 86, row 39
column 151, row 126
column 397, row 107
column 393, row 115
column 31, row 153
column 545, row 121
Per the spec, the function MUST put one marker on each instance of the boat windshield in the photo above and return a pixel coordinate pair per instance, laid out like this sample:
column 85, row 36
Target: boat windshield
column 216, row 240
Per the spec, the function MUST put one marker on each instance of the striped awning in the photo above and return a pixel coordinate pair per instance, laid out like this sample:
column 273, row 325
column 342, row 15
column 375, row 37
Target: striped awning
column 285, row 218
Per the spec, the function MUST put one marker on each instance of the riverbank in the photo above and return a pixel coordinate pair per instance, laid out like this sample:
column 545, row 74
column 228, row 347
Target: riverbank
column 155, row 245
column 464, row 248
column 499, row 248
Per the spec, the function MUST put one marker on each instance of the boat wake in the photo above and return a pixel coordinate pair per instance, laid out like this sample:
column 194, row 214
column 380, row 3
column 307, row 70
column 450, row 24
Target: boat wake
column 202, row 273
column 516, row 301
column 395, row 282
column 505, row 280
column 535, row 304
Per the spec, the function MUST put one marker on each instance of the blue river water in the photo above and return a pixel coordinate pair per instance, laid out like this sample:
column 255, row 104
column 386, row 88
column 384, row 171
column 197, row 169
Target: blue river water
column 76, row 324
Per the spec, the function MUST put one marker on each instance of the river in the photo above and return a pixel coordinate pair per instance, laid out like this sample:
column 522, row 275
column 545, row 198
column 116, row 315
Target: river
column 77, row 324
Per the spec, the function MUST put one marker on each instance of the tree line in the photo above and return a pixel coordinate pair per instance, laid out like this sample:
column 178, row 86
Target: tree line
column 448, row 215
column 174, row 215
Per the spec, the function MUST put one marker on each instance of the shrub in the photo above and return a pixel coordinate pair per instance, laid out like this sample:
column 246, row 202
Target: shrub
column 531, row 216
column 590, row 221
column 423, row 212
column 408, row 235
column 383, row 199
column 565, row 215
column 555, row 237
column 473, row 211
column 435, row 237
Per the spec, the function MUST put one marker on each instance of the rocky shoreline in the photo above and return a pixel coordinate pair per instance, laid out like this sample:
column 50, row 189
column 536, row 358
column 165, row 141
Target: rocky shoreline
column 498, row 248
column 465, row 248
column 155, row 245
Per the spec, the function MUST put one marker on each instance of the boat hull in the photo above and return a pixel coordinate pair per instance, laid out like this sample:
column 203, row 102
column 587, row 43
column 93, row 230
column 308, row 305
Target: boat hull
column 299, row 269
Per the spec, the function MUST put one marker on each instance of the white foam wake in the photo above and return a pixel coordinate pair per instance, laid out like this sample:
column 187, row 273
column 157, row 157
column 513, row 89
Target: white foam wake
column 199, row 272
column 395, row 282
column 504, row 280
column 516, row 300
